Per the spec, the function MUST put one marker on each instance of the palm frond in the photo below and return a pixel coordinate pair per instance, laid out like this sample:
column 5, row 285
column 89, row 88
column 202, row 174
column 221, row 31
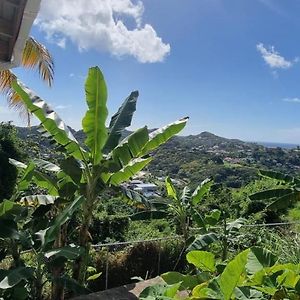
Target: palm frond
column 35, row 55
column 13, row 99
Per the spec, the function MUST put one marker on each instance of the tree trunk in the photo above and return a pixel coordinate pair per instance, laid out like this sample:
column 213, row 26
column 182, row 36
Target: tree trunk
column 57, row 289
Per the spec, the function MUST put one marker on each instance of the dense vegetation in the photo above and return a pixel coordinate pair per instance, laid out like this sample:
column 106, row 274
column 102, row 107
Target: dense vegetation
column 69, row 193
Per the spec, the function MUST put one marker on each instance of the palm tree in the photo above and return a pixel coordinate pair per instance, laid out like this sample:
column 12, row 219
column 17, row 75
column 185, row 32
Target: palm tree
column 35, row 56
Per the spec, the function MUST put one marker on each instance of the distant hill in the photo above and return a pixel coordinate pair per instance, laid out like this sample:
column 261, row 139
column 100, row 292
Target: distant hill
column 194, row 157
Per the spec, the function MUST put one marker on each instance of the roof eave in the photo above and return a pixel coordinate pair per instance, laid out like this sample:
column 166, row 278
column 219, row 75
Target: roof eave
column 30, row 12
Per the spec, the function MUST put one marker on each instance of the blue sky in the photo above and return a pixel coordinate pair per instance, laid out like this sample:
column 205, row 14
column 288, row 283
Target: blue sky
column 232, row 66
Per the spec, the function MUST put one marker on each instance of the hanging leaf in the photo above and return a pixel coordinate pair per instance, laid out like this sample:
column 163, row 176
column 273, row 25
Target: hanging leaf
column 48, row 235
column 284, row 201
column 15, row 276
column 270, row 194
column 277, row 175
column 120, row 120
column 54, row 125
column 73, row 168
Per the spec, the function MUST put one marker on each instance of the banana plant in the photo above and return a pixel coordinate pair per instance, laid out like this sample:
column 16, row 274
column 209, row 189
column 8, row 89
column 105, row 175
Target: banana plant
column 36, row 223
column 104, row 161
column 279, row 198
column 183, row 205
column 252, row 274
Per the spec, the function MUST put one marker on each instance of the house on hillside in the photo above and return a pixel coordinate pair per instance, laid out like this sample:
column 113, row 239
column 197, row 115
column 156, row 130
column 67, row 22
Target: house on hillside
column 146, row 189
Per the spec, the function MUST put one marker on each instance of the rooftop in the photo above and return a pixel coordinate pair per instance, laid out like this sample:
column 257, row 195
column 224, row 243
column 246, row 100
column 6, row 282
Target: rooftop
column 16, row 18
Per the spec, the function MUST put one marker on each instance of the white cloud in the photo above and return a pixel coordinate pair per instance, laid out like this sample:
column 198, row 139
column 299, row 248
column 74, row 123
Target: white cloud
column 273, row 59
column 59, row 107
column 101, row 25
column 292, row 100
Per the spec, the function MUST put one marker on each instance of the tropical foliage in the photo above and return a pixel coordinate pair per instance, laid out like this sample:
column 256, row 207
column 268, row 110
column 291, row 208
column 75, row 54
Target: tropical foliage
column 41, row 222
column 253, row 274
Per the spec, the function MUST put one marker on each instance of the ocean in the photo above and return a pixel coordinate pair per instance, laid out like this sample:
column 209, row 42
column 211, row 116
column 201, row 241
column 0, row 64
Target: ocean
column 275, row 145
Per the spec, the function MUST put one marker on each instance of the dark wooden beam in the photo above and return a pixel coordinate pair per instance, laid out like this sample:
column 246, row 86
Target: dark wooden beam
column 6, row 28
column 17, row 20
column 4, row 50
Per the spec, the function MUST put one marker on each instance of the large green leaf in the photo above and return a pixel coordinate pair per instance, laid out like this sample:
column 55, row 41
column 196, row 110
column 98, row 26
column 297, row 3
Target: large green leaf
column 277, row 175
column 203, row 241
column 171, row 191
column 203, row 260
column 69, row 252
column 120, row 120
column 52, row 123
column 133, row 167
column 162, row 135
column 15, row 276
column 48, row 235
column 26, row 178
column 201, row 191
column 230, row 277
column 259, row 258
column 285, row 201
column 8, row 209
column 47, row 182
column 93, row 123
column 130, row 147
column 213, row 217
column 73, row 168
column 270, row 194
column 198, row 219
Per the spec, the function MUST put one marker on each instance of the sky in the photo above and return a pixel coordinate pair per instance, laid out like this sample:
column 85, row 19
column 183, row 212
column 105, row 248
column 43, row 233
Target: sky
column 232, row 66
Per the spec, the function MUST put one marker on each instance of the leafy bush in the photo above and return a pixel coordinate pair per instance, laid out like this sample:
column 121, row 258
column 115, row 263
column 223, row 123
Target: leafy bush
column 255, row 273
column 10, row 147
